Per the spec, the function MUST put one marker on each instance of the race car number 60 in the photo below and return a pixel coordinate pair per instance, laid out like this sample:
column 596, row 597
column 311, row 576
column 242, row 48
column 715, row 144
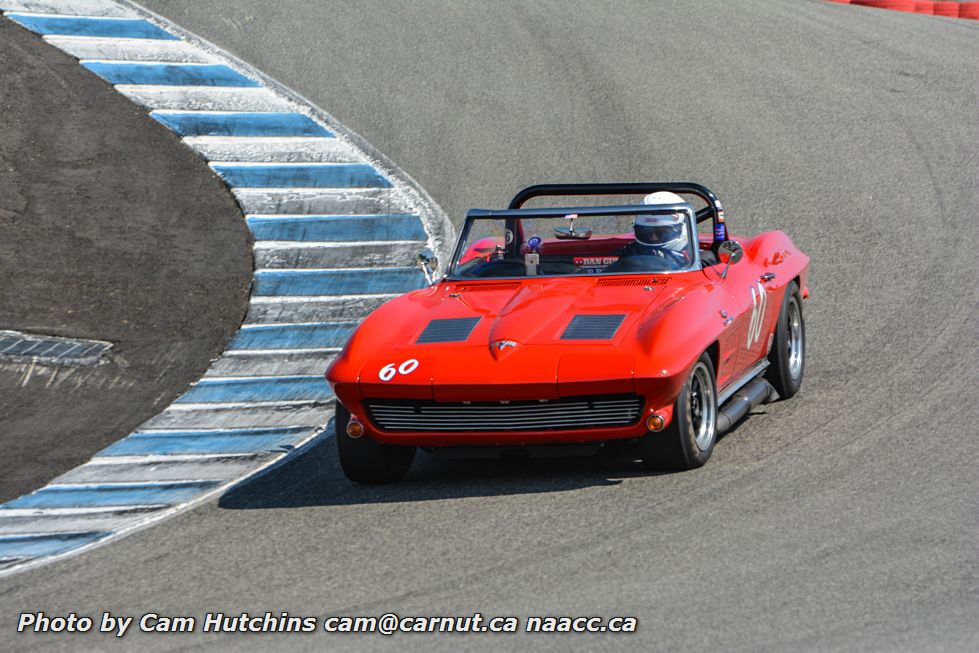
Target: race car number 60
column 388, row 371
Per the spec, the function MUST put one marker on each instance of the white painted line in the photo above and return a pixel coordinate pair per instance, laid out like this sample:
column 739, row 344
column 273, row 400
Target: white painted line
column 63, row 533
column 189, row 64
column 244, row 353
column 318, row 201
column 54, row 524
column 247, row 326
column 237, row 417
column 295, row 216
column 189, row 407
column 273, row 149
column 90, row 8
column 177, row 457
column 276, row 377
column 108, row 485
column 216, row 112
column 285, row 141
column 214, row 431
column 129, row 50
column 265, row 363
column 330, row 244
column 198, row 98
column 304, row 299
column 92, row 510
column 289, row 164
column 352, row 269
column 68, row 8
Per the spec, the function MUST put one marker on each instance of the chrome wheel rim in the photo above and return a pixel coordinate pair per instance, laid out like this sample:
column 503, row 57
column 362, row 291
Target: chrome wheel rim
column 702, row 407
column 797, row 342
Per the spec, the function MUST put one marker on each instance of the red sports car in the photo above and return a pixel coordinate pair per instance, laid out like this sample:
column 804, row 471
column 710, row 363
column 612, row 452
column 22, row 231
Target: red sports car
column 579, row 325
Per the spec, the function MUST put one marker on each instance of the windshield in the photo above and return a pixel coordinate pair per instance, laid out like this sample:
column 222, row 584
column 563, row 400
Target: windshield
column 655, row 240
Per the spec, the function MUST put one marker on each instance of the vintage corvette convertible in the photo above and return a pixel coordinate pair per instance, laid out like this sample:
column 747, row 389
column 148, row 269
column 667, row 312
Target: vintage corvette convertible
column 578, row 325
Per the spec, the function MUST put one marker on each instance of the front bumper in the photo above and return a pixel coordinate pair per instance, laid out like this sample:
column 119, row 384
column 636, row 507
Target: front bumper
column 568, row 419
column 655, row 395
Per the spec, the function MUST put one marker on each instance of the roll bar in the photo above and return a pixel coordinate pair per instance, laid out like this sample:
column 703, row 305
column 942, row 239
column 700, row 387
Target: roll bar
column 714, row 210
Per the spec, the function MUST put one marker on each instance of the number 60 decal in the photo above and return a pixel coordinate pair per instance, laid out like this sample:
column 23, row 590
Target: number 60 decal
column 388, row 371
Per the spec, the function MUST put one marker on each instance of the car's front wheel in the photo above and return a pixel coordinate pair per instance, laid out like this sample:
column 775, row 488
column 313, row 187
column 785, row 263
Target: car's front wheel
column 364, row 459
column 688, row 439
column 788, row 355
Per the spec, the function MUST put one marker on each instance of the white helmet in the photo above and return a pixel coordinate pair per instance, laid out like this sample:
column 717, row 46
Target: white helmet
column 667, row 231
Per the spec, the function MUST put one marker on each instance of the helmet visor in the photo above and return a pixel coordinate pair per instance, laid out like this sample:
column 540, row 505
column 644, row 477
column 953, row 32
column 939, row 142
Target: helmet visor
column 658, row 229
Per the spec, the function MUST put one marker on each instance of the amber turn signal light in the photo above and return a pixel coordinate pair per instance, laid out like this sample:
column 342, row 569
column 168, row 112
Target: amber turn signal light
column 655, row 422
column 355, row 429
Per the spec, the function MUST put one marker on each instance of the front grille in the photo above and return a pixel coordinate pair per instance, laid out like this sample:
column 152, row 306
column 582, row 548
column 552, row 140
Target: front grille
column 570, row 413
column 592, row 327
column 455, row 329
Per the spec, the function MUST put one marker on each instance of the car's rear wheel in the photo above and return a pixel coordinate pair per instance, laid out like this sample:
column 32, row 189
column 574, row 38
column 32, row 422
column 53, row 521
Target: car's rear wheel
column 365, row 460
column 688, row 440
column 788, row 355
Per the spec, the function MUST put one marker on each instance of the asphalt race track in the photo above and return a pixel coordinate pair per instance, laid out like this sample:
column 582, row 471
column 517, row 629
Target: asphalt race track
column 842, row 520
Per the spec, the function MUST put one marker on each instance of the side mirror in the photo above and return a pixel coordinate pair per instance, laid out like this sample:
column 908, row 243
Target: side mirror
column 428, row 263
column 729, row 252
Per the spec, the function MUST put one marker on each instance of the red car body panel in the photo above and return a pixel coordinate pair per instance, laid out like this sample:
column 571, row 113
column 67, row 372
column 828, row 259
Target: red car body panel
column 671, row 319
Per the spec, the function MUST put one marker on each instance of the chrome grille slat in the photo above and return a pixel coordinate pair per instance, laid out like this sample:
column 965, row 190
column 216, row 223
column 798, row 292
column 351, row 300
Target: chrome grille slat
column 515, row 413
column 604, row 420
column 509, row 427
column 528, row 422
column 434, row 429
column 496, row 407
column 560, row 414
column 463, row 415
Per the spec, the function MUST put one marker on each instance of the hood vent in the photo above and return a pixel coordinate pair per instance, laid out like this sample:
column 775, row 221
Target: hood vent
column 454, row 329
column 592, row 327
column 630, row 281
column 487, row 287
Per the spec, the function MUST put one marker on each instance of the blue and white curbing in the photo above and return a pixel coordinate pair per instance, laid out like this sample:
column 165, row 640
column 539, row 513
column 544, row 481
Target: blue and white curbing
column 336, row 229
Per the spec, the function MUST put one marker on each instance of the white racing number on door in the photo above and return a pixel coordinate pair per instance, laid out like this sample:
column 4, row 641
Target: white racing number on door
column 390, row 370
column 759, row 298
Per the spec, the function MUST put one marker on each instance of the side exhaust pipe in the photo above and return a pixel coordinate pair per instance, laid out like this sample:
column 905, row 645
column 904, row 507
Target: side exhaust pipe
column 753, row 394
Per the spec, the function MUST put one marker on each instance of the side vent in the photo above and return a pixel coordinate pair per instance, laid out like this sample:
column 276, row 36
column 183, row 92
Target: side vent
column 455, row 329
column 592, row 327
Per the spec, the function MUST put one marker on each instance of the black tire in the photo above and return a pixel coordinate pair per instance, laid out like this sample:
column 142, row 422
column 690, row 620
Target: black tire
column 788, row 354
column 678, row 446
column 365, row 460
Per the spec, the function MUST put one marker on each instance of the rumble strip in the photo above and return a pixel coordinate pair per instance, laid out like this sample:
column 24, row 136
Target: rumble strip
column 336, row 229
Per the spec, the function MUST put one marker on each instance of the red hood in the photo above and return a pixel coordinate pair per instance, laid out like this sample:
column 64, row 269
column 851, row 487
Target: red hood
column 531, row 313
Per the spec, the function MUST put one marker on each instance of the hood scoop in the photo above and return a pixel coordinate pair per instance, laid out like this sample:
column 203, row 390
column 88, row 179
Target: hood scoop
column 454, row 329
column 592, row 327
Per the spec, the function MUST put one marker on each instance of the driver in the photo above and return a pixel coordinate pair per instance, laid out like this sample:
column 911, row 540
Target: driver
column 662, row 235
